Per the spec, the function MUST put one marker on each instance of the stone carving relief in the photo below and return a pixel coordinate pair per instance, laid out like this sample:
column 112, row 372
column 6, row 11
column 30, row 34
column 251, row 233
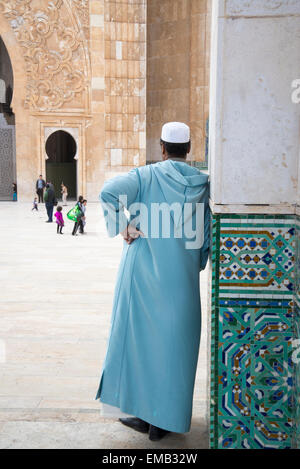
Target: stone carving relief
column 82, row 10
column 54, row 51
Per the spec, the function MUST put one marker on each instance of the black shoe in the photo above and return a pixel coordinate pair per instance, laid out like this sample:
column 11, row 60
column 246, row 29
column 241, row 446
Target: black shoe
column 136, row 424
column 156, row 433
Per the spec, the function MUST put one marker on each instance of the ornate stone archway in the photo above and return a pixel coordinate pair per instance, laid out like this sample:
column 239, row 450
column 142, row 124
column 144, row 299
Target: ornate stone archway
column 76, row 132
column 61, row 161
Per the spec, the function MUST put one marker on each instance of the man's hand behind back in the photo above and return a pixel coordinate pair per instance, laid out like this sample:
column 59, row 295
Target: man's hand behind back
column 131, row 233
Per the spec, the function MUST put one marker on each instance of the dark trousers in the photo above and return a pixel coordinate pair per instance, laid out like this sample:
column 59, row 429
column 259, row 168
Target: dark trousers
column 78, row 224
column 59, row 228
column 40, row 193
column 49, row 208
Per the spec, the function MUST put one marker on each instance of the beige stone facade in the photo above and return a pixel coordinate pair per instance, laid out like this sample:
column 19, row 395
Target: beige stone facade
column 178, row 44
column 109, row 73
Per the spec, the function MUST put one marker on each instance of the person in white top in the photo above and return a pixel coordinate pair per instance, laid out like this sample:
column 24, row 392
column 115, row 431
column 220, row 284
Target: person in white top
column 64, row 192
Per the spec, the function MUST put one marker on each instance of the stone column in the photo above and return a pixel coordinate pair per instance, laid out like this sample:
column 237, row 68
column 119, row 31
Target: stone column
column 95, row 134
column 254, row 161
column 125, row 84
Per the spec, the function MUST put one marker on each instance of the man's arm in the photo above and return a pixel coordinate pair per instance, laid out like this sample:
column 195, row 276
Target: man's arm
column 116, row 195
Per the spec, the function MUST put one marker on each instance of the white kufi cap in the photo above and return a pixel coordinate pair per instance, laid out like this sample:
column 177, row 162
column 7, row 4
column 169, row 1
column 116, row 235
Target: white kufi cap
column 175, row 132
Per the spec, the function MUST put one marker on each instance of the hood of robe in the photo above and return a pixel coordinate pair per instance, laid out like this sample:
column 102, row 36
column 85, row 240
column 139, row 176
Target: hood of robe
column 181, row 183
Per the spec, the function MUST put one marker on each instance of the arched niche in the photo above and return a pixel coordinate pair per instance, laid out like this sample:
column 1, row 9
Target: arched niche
column 61, row 151
column 73, row 131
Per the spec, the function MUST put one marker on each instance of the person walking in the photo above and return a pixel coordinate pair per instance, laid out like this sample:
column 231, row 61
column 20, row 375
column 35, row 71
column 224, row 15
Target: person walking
column 64, row 192
column 50, row 201
column 83, row 218
column 59, row 219
column 40, row 185
column 78, row 223
column 150, row 365
column 15, row 192
column 35, row 204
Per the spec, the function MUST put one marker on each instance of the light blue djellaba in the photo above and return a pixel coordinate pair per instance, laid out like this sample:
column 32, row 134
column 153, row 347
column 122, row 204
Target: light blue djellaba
column 150, row 365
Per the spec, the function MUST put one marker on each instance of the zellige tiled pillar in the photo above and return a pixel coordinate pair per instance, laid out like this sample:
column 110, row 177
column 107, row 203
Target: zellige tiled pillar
column 254, row 158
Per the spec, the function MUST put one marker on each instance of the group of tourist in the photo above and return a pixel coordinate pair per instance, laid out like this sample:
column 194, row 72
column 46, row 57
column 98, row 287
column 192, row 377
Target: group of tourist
column 46, row 193
column 41, row 185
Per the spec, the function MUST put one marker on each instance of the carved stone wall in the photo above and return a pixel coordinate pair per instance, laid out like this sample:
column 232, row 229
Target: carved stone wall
column 49, row 45
column 82, row 10
column 52, row 40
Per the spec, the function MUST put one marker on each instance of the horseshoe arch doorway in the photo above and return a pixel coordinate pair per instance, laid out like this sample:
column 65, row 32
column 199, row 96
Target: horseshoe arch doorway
column 61, row 166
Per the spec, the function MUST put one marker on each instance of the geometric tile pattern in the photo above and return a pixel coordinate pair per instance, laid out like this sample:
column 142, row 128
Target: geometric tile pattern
column 257, row 255
column 253, row 374
column 7, row 158
column 296, row 441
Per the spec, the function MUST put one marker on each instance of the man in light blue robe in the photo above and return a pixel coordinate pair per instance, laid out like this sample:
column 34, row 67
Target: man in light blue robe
column 150, row 365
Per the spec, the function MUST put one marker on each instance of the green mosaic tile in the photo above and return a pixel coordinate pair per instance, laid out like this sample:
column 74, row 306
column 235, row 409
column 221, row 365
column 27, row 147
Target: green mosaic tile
column 252, row 382
column 296, row 330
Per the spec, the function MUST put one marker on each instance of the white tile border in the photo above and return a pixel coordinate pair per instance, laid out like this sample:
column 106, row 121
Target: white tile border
column 239, row 209
column 255, row 295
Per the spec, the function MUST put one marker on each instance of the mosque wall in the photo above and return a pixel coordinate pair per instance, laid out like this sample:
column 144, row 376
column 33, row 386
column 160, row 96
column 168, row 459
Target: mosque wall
column 178, row 38
column 51, row 70
column 83, row 65
column 125, row 83
column 110, row 72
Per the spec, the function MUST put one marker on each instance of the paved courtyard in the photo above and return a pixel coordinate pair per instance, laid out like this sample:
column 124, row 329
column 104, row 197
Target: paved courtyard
column 55, row 305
